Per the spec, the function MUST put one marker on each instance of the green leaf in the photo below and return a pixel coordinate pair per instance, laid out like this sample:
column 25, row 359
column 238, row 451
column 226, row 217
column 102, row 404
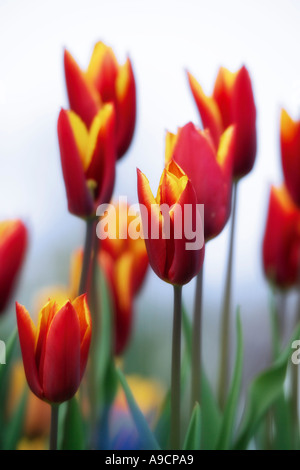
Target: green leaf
column 228, row 421
column 73, row 427
column 4, row 379
column 14, row 427
column 104, row 352
column 263, row 393
column 210, row 413
column 162, row 429
column 193, row 436
column 147, row 438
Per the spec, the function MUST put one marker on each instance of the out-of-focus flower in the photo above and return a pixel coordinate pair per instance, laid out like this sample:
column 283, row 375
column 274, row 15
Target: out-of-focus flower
column 149, row 395
column 105, row 80
column 125, row 263
column 38, row 443
column 13, row 244
column 232, row 102
column 88, row 158
column 290, row 154
column 56, row 352
column 37, row 414
column 281, row 243
column 167, row 235
column 209, row 170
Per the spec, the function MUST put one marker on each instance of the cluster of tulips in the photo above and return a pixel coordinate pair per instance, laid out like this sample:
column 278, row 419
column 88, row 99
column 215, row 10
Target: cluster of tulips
column 72, row 355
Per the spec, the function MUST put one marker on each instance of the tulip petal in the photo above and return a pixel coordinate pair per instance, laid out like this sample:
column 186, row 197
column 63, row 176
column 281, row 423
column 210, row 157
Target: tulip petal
column 83, row 98
column 62, row 356
column 85, row 325
column 125, row 106
column 27, row 334
column 152, row 219
column 44, row 321
column 102, row 154
column 290, row 154
column 102, row 71
column 80, row 201
column 186, row 263
column 208, row 110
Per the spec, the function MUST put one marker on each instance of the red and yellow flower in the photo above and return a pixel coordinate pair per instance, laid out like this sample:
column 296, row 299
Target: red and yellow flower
column 88, row 159
column 209, row 170
column 55, row 352
column 105, row 80
column 125, row 262
column 281, row 243
column 290, row 154
column 168, row 254
column 232, row 102
column 13, row 245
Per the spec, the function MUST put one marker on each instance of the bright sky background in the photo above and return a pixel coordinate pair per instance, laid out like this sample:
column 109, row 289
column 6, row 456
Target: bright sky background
column 163, row 39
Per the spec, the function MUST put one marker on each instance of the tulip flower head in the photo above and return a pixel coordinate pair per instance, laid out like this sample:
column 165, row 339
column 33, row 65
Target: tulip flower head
column 281, row 243
column 232, row 102
column 209, row 170
column 88, row 159
column 104, row 81
column 13, row 244
column 169, row 252
column 290, row 154
column 55, row 353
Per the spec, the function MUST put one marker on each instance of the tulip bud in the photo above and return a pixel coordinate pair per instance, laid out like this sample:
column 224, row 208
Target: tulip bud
column 290, row 154
column 13, row 244
column 209, row 170
column 281, row 243
column 55, row 352
column 171, row 224
column 88, row 159
column 104, row 81
column 232, row 102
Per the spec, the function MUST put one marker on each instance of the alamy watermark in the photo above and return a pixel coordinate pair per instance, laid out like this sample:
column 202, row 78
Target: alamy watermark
column 2, row 352
column 179, row 222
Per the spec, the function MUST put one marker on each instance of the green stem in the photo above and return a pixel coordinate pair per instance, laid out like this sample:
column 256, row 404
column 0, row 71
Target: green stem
column 175, row 379
column 54, row 427
column 225, row 321
column 95, row 312
column 197, row 343
column 88, row 246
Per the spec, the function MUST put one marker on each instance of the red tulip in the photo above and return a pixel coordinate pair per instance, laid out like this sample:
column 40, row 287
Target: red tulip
column 88, row 159
column 104, row 81
column 168, row 253
column 290, row 154
column 209, row 170
column 281, row 243
column 232, row 102
column 56, row 352
column 125, row 263
column 13, row 244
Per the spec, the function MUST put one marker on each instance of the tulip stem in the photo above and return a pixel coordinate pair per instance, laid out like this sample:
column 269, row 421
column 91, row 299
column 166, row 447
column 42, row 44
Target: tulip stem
column 54, row 427
column 88, row 247
column 95, row 311
column 175, row 378
column 225, row 320
column 197, row 343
